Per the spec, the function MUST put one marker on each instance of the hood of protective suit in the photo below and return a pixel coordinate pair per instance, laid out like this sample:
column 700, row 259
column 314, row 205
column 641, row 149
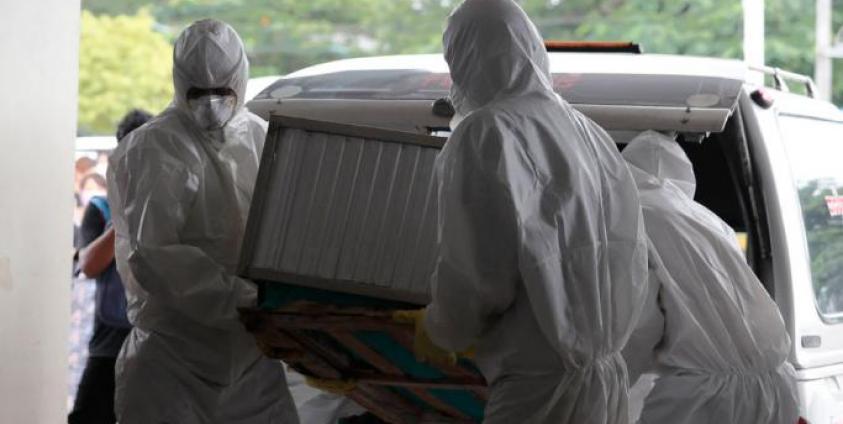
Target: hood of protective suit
column 661, row 157
column 488, row 63
column 209, row 54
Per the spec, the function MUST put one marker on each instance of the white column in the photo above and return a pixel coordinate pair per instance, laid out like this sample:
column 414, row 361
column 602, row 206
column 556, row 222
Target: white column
column 822, row 68
column 38, row 81
column 753, row 36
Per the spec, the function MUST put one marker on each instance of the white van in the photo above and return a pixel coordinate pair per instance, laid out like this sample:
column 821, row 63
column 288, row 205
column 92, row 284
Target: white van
column 768, row 161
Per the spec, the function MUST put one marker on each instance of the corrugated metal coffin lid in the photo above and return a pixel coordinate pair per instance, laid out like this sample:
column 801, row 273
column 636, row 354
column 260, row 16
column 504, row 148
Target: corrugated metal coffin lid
column 344, row 208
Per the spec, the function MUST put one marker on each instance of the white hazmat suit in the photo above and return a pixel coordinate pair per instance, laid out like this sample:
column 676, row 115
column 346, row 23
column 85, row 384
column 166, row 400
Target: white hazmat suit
column 710, row 331
column 317, row 407
column 543, row 254
column 180, row 189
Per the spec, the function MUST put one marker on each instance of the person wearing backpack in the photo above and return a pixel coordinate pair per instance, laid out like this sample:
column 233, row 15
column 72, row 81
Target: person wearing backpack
column 94, row 402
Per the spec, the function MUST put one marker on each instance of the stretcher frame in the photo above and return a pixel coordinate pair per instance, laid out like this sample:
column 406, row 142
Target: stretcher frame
column 333, row 341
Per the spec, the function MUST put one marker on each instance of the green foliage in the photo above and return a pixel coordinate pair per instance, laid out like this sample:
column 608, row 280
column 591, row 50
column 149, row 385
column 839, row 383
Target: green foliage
column 699, row 28
column 408, row 26
column 123, row 64
column 285, row 35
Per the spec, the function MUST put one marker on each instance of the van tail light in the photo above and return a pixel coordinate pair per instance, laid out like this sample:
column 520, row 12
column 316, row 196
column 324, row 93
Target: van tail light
column 802, row 421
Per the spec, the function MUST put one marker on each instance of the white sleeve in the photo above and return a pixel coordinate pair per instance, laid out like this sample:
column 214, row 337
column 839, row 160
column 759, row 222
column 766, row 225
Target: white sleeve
column 477, row 273
column 155, row 191
column 640, row 350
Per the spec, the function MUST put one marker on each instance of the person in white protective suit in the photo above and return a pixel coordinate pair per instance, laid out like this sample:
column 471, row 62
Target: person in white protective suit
column 543, row 260
column 180, row 189
column 319, row 407
column 709, row 330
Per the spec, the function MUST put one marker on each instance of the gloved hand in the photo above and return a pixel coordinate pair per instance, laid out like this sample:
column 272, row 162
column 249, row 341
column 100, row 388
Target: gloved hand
column 423, row 347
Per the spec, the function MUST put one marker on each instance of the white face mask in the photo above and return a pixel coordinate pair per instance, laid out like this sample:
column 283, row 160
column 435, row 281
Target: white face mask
column 212, row 112
column 461, row 104
column 455, row 120
column 462, row 107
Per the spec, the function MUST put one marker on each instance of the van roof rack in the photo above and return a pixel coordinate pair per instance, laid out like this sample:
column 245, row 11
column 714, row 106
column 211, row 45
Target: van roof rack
column 780, row 78
column 554, row 46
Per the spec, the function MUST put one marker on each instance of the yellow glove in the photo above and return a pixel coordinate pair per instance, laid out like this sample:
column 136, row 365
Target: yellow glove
column 337, row 387
column 423, row 347
column 469, row 353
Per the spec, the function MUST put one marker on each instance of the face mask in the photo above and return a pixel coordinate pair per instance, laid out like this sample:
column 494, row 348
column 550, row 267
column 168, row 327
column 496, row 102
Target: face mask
column 462, row 106
column 212, row 112
column 455, row 120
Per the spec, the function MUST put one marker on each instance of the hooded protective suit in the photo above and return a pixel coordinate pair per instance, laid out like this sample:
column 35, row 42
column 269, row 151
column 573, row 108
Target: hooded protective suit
column 317, row 407
column 180, row 194
column 710, row 330
column 543, row 256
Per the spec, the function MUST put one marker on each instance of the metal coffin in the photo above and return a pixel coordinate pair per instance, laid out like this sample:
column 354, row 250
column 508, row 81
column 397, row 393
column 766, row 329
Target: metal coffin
column 344, row 208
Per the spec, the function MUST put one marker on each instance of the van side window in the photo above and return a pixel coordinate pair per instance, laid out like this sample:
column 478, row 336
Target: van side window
column 815, row 152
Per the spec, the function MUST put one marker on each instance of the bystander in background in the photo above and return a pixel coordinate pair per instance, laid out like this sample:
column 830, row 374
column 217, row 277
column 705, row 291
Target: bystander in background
column 94, row 402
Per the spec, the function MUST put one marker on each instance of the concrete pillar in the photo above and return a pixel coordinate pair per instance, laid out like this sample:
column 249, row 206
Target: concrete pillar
column 823, row 67
column 753, row 36
column 38, row 101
